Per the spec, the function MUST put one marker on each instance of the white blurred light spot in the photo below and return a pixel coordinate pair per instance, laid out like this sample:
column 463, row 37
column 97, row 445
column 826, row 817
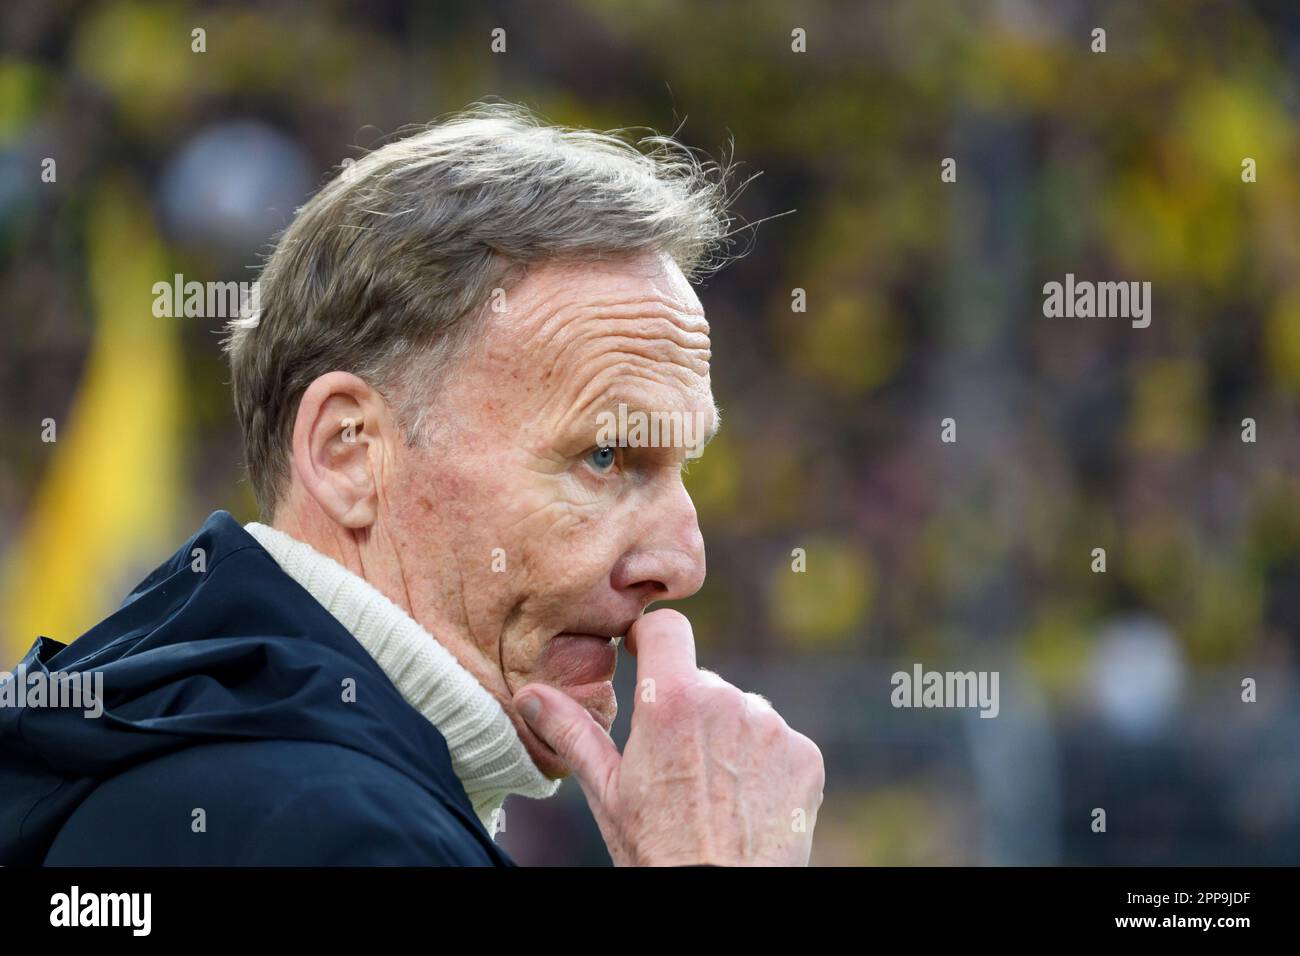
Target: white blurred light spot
column 234, row 186
column 1137, row 676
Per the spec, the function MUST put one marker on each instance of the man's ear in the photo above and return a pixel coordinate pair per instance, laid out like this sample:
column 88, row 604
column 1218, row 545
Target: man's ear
column 343, row 439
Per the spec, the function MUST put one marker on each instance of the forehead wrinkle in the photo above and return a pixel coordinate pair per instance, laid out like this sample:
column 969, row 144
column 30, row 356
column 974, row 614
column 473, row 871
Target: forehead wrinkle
column 628, row 360
column 591, row 342
column 657, row 333
column 648, row 319
column 600, row 394
column 608, row 399
column 546, row 312
column 614, row 337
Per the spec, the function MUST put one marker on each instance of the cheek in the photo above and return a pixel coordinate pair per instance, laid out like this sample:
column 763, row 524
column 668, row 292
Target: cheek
column 445, row 523
column 568, row 553
column 570, row 546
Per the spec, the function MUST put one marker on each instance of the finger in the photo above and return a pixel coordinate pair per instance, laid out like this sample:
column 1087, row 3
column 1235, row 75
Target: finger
column 566, row 727
column 664, row 648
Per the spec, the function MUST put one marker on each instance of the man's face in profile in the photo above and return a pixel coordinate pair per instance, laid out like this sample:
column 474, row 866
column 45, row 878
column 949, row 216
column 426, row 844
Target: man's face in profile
column 525, row 547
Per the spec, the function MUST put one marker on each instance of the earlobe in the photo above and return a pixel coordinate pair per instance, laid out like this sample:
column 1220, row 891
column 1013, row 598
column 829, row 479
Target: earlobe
column 337, row 439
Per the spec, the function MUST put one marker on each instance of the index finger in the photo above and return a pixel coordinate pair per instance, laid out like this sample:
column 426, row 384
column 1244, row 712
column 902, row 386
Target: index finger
column 664, row 647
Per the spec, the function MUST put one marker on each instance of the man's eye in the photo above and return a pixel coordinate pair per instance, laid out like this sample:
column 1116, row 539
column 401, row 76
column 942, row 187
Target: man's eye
column 602, row 459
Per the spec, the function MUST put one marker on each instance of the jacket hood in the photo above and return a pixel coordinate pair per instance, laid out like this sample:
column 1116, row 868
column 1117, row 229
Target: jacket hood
column 217, row 643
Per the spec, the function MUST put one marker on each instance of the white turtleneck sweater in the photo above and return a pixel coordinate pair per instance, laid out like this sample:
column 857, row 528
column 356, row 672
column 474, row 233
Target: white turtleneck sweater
column 486, row 753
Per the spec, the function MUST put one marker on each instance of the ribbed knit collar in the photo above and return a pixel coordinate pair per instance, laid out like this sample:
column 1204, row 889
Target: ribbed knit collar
column 486, row 753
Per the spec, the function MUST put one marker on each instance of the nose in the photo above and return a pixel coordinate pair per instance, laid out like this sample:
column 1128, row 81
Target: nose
column 666, row 562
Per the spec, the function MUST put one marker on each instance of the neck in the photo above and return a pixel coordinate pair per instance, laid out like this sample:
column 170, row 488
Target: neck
column 365, row 552
column 487, row 755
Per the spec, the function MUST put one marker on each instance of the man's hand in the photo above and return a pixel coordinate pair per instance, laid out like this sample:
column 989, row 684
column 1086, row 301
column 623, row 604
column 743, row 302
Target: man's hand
column 710, row 774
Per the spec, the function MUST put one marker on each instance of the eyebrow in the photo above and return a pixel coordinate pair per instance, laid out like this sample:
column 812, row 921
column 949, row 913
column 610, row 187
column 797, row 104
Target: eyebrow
column 712, row 433
column 611, row 404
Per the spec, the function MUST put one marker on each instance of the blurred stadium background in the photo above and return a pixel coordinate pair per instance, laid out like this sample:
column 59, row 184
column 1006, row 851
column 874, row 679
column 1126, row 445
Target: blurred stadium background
column 1119, row 690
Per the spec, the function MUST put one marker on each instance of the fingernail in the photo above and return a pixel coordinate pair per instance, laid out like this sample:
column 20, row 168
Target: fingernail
column 530, row 706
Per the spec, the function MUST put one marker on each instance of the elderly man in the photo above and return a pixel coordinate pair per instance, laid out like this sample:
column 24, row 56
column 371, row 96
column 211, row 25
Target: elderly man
column 428, row 619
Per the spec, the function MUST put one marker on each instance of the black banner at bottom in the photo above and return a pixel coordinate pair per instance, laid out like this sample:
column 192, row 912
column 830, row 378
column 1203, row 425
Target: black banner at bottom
column 207, row 906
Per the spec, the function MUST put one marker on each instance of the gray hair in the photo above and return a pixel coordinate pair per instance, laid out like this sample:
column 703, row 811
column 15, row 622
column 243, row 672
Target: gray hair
column 387, row 270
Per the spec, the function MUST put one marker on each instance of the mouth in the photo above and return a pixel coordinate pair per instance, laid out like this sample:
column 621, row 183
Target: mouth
column 575, row 659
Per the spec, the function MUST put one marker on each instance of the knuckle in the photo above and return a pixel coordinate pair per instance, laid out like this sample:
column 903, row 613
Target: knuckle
column 808, row 755
column 706, row 697
column 679, row 703
column 768, row 724
column 708, row 678
column 719, row 697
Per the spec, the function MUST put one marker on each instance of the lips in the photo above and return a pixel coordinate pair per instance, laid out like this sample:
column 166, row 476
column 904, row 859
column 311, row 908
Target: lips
column 573, row 659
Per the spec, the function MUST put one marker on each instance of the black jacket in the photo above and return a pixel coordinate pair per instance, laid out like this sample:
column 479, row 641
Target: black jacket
column 225, row 738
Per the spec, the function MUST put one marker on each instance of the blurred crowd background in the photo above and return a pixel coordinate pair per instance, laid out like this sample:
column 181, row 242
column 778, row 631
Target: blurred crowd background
column 1119, row 690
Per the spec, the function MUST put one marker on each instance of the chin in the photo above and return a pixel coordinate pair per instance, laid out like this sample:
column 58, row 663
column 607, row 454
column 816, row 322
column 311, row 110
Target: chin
column 598, row 699
column 582, row 666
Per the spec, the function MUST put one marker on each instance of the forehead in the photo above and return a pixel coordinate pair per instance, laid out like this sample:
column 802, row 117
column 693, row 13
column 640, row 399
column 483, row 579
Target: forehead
column 571, row 327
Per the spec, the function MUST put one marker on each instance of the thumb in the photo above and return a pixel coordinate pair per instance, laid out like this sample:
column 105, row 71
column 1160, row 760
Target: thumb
column 565, row 726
